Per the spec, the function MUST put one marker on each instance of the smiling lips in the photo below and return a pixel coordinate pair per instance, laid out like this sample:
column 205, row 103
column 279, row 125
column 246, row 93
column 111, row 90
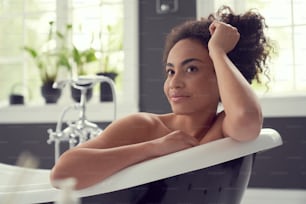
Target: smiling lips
column 178, row 97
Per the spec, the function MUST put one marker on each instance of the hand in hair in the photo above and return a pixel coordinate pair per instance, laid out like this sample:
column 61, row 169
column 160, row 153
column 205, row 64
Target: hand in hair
column 224, row 37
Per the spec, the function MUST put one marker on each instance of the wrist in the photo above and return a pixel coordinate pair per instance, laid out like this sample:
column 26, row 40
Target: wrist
column 152, row 148
column 216, row 53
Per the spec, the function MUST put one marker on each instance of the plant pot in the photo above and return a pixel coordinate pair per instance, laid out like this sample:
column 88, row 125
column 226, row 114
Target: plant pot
column 106, row 94
column 16, row 99
column 76, row 93
column 50, row 94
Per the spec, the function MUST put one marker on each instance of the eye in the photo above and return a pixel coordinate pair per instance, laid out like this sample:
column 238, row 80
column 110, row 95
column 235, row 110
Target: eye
column 169, row 72
column 192, row 69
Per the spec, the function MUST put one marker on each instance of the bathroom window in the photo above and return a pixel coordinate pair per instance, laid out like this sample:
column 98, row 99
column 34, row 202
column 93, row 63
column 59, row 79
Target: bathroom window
column 287, row 25
column 24, row 22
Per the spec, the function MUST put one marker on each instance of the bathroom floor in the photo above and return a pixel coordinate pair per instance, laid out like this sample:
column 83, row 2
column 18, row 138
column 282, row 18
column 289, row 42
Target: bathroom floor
column 274, row 196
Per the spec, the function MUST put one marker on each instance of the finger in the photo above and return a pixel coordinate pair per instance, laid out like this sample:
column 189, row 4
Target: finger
column 212, row 27
column 193, row 141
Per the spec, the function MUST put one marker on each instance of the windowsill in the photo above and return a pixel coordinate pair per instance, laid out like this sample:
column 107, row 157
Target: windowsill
column 96, row 112
column 283, row 105
column 272, row 106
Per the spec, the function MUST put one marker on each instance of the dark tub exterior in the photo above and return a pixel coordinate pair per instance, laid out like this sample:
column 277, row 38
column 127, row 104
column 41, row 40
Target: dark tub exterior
column 224, row 183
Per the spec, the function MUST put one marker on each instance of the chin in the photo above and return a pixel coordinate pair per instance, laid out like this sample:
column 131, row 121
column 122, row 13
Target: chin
column 192, row 109
column 182, row 111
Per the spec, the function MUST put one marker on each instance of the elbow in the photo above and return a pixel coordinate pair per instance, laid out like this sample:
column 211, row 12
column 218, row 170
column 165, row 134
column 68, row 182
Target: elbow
column 246, row 125
column 54, row 178
column 61, row 171
column 57, row 175
column 251, row 123
column 58, row 180
column 74, row 164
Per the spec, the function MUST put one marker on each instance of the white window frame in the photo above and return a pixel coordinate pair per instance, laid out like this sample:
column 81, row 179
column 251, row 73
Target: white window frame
column 128, row 100
column 281, row 105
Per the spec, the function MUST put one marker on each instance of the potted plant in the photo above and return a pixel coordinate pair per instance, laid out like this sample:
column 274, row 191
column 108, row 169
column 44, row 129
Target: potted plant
column 16, row 98
column 110, row 49
column 45, row 61
column 66, row 55
column 74, row 59
column 80, row 59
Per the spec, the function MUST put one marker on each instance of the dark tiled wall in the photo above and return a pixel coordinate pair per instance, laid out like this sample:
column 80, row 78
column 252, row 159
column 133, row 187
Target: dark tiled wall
column 153, row 29
column 32, row 138
column 284, row 166
column 16, row 139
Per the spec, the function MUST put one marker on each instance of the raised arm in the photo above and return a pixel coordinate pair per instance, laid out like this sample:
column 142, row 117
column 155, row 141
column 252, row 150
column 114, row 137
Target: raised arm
column 243, row 116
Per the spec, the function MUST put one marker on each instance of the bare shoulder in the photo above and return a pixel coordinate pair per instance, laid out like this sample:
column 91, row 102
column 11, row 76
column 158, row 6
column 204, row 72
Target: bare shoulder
column 137, row 121
column 134, row 128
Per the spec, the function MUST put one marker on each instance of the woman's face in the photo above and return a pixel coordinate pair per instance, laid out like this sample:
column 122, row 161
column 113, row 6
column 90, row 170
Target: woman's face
column 191, row 85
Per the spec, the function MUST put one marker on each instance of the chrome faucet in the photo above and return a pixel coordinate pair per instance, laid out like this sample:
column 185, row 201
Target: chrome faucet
column 80, row 130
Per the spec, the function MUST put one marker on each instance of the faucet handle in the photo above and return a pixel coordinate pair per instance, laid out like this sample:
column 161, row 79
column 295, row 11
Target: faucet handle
column 60, row 84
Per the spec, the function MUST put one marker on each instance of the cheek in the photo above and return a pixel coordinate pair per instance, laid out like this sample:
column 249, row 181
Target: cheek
column 214, row 87
column 166, row 88
column 209, row 89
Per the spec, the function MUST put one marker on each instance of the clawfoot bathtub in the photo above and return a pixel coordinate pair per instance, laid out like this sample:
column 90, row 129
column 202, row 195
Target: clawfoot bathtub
column 217, row 172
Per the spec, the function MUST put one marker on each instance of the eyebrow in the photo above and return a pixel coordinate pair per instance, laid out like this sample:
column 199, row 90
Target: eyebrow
column 186, row 61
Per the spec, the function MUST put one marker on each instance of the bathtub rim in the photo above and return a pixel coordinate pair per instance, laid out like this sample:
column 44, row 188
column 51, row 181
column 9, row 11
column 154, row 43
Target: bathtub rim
column 146, row 171
column 268, row 138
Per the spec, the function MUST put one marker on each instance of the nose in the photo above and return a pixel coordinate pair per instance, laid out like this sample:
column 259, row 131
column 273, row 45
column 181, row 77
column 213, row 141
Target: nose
column 176, row 81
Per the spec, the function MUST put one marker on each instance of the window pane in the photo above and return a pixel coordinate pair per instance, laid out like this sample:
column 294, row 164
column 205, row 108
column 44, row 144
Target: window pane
column 277, row 13
column 11, row 37
column 36, row 26
column 300, row 50
column 34, row 37
column 33, row 84
column 99, row 25
column 39, row 6
column 11, row 80
column 299, row 7
column 283, row 65
column 11, row 7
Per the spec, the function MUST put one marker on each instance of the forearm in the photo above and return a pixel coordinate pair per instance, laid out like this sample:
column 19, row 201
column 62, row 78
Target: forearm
column 89, row 166
column 240, row 103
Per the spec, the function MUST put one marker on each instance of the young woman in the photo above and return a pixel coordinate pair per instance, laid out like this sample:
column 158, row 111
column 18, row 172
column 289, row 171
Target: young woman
column 206, row 62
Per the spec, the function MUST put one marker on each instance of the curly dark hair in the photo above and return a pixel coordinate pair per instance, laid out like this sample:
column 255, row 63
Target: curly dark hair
column 252, row 51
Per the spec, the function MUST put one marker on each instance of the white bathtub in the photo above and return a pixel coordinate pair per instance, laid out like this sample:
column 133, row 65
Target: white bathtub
column 34, row 185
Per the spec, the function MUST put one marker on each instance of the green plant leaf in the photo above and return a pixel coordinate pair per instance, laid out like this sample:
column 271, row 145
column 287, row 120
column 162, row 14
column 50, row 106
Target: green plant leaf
column 59, row 34
column 31, row 51
column 90, row 55
column 76, row 56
